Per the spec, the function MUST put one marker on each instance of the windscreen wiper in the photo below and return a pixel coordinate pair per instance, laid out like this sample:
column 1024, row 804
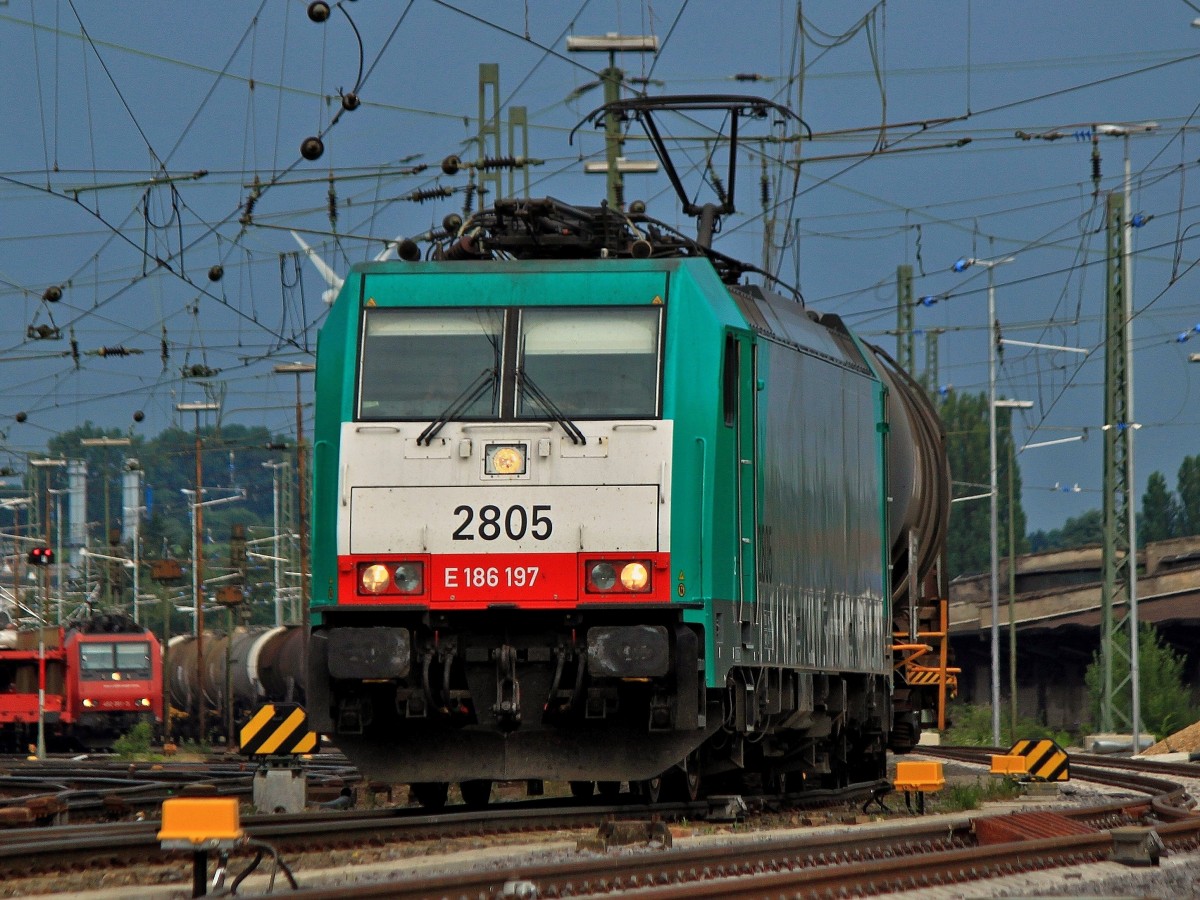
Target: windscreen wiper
column 526, row 386
column 474, row 390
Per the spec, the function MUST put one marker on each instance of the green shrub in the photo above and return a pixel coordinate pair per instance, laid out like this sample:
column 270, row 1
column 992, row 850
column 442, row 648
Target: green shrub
column 972, row 727
column 1166, row 698
column 134, row 743
column 961, row 796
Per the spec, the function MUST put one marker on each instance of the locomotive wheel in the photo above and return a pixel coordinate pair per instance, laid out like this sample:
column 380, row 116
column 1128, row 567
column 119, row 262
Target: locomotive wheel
column 431, row 794
column 681, row 783
column 582, row 790
column 869, row 767
column 476, row 793
column 650, row 790
column 775, row 783
column 609, row 789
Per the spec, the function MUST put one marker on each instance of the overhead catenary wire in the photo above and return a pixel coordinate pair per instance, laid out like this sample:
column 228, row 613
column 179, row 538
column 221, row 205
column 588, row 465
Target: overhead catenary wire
column 364, row 213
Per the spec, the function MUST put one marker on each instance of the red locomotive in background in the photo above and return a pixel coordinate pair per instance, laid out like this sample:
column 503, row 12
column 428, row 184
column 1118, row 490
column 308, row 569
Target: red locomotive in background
column 102, row 675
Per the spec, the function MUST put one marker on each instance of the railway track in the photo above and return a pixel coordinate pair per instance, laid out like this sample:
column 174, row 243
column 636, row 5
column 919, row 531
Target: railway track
column 27, row 851
column 865, row 859
column 861, row 862
column 109, row 845
column 56, row 790
column 1168, row 799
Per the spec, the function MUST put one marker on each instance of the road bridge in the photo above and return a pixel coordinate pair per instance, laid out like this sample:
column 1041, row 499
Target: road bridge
column 1057, row 610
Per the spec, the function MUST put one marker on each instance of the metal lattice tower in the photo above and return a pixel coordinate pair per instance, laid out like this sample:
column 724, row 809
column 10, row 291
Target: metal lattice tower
column 768, row 216
column 287, row 520
column 489, row 131
column 929, row 377
column 1118, row 638
column 613, row 138
column 905, row 349
column 518, row 127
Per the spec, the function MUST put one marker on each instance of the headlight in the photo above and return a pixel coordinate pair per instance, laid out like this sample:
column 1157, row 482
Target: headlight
column 634, row 576
column 89, row 703
column 603, row 576
column 618, row 576
column 374, row 579
column 408, row 578
column 145, row 701
column 116, row 676
column 504, row 459
column 391, row 578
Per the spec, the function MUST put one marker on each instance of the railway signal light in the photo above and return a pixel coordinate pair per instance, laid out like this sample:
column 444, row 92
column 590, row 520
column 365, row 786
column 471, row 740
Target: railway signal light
column 237, row 548
column 41, row 556
column 230, row 595
column 166, row 571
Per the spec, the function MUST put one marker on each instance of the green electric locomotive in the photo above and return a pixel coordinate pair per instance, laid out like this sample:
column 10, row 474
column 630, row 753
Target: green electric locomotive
column 588, row 509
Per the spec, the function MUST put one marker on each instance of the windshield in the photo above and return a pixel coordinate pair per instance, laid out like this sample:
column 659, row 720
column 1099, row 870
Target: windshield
column 101, row 660
column 589, row 362
column 417, row 362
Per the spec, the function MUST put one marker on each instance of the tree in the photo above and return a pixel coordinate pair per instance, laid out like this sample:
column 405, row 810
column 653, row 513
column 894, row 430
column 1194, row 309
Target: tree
column 1160, row 511
column 1166, row 700
column 232, row 461
column 1189, row 496
column 1081, row 531
column 1010, row 503
column 966, row 421
column 1084, row 530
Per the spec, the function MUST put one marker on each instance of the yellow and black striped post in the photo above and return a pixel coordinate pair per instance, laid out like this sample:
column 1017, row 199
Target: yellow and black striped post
column 278, row 729
column 1045, row 760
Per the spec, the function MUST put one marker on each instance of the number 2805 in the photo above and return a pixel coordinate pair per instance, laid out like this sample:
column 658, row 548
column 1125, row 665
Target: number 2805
column 491, row 522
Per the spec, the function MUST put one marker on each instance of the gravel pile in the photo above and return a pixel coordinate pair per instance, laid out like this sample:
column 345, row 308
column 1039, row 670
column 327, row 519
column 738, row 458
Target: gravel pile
column 1185, row 740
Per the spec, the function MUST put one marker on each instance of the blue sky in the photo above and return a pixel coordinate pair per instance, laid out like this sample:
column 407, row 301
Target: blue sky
column 114, row 108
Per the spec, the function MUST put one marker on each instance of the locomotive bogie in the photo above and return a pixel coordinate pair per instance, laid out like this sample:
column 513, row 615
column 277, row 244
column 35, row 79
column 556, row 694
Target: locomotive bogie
column 821, row 729
column 581, row 696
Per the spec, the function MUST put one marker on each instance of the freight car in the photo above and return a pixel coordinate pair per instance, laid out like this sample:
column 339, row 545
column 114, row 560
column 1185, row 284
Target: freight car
column 102, row 675
column 588, row 507
column 264, row 665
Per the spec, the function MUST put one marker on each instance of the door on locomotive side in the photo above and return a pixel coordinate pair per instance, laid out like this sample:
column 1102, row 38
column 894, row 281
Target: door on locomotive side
column 740, row 404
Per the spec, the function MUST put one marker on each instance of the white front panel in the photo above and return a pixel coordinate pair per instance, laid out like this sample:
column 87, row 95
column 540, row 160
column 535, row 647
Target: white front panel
column 492, row 519
column 610, row 494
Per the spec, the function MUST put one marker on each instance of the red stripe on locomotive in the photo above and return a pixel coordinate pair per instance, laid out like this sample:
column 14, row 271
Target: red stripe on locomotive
column 528, row 580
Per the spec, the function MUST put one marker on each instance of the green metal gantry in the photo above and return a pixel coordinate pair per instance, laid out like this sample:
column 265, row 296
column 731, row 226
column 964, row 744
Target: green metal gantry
column 489, row 131
column 905, row 350
column 518, row 132
column 1118, row 640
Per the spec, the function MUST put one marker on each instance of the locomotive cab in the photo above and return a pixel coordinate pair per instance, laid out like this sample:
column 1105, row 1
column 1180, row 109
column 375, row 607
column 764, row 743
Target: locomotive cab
column 503, row 534
column 117, row 679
